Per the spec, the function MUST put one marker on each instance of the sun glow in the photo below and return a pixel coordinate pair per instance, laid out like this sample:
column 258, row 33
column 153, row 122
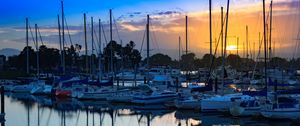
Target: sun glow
column 231, row 48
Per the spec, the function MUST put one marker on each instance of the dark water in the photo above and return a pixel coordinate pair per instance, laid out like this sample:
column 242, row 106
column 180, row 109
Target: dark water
column 28, row 110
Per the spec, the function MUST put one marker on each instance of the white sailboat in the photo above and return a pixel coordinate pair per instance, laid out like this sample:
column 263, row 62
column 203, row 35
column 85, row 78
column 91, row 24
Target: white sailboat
column 156, row 97
column 246, row 108
column 23, row 88
column 282, row 113
column 223, row 103
column 129, row 76
column 286, row 108
column 100, row 94
column 128, row 96
column 188, row 103
column 41, row 88
column 162, row 82
column 27, row 88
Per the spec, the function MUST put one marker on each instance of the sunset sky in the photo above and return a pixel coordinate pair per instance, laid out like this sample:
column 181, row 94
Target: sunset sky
column 167, row 23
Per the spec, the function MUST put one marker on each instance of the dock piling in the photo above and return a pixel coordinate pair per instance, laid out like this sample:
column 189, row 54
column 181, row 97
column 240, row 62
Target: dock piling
column 2, row 115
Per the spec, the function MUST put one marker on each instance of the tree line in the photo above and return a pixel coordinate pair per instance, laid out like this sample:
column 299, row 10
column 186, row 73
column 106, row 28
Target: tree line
column 50, row 58
column 128, row 57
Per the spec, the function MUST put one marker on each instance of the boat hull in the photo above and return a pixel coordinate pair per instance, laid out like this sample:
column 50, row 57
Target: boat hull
column 190, row 104
column 247, row 111
column 153, row 100
column 215, row 106
column 95, row 96
column 282, row 114
column 63, row 93
column 125, row 99
column 22, row 89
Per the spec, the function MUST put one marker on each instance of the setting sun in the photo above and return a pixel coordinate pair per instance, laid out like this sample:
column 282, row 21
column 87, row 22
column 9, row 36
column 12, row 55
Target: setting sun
column 231, row 48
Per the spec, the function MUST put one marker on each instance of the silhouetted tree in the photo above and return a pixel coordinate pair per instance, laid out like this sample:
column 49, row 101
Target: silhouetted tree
column 234, row 61
column 20, row 61
column 131, row 56
column 187, row 61
column 160, row 60
column 278, row 62
column 206, row 60
column 49, row 58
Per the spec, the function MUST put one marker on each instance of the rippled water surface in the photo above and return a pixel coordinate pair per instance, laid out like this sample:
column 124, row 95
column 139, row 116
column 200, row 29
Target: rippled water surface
column 28, row 110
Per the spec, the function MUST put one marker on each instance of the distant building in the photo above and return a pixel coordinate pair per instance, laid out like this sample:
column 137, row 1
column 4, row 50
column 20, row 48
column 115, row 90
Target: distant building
column 2, row 61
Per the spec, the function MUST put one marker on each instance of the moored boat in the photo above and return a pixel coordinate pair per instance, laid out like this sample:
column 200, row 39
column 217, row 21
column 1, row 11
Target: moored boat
column 222, row 103
column 155, row 97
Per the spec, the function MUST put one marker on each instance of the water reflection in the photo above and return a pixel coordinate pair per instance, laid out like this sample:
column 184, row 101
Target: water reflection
column 28, row 110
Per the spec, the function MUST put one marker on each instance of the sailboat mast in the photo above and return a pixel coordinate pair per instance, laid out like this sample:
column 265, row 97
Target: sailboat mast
column 247, row 43
column 179, row 51
column 111, row 46
column 265, row 44
column 244, row 50
column 222, row 33
column 186, row 35
column 100, row 51
column 226, row 28
column 27, row 48
column 148, row 47
column 59, row 34
column 122, row 60
column 63, row 36
column 270, row 34
column 85, row 43
column 254, row 53
column 37, row 51
column 237, row 46
column 226, row 32
column 92, row 56
column 210, row 31
column 222, row 46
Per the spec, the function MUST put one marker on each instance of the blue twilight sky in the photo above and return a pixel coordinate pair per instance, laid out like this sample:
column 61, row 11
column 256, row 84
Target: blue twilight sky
column 167, row 22
column 13, row 12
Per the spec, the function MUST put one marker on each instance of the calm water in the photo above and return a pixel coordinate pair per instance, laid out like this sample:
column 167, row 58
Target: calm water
column 28, row 110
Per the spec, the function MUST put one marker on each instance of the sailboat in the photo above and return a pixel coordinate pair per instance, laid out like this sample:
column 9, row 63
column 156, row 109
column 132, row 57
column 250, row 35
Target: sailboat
column 277, row 110
column 253, row 107
column 282, row 108
column 65, row 87
column 25, row 88
column 41, row 88
column 127, row 97
column 102, row 92
column 246, row 108
column 191, row 102
column 156, row 97
column 159, row 94
column 36, row 83
column 222, row 102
